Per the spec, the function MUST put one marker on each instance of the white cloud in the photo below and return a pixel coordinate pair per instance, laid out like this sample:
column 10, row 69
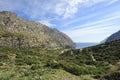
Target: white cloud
column 79, row 19
column 101, row 21
column 112, row 1
column 41, row 8
column 72, row 7
column 59, row 9
column 94, row 33
column 70, row 11
column 48, row 23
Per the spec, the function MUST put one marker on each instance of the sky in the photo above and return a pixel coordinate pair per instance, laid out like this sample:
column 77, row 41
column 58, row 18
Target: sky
column 81, row 20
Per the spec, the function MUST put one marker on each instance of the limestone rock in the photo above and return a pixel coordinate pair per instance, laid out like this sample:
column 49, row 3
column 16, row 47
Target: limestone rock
column 17, row 32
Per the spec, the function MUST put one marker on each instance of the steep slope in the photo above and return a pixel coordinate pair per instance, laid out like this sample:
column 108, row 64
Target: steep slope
column 17, row 32
column 113, row 37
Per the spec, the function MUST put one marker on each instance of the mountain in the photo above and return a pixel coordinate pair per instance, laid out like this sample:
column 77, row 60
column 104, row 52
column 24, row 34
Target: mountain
column 17, row 32
column 113, row 37
column 103, row 41
column 84, row 45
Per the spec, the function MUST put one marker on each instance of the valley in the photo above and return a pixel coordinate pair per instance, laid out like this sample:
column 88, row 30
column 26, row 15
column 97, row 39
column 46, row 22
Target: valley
column 101, row 62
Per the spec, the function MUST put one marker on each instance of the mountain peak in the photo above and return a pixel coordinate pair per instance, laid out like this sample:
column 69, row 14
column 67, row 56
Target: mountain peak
column 17, row 32
column 8, row 13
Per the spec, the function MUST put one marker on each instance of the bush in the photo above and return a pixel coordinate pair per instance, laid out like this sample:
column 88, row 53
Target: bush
column 75, row 69
column 53, row 64
column 113, row 76
column 36, row 66
column 82, row 70
column 96, row 71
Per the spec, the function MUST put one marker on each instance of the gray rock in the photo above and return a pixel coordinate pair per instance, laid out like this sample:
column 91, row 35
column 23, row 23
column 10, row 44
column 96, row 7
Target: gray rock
column 113, row 37
column 19, row 33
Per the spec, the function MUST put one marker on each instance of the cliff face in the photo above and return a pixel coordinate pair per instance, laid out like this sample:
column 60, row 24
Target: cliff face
column 17, row 32
column 113, row 37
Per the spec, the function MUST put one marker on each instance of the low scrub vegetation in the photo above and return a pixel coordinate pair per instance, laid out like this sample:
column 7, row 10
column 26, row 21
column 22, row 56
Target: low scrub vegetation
column 99, row 62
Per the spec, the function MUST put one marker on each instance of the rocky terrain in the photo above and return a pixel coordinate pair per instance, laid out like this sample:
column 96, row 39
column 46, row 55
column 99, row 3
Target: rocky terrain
column 17, row 32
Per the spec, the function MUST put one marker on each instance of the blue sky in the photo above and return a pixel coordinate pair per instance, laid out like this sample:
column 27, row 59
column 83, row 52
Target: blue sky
column 81, row 20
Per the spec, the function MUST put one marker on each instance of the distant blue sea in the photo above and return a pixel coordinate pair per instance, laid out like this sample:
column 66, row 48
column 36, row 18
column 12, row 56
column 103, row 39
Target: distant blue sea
column 84, row 45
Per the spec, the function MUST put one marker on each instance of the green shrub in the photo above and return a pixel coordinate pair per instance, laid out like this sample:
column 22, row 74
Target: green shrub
column 75, row 69
column 96, row 71
column 112, row 76
column 35, row 66
column 53, row 64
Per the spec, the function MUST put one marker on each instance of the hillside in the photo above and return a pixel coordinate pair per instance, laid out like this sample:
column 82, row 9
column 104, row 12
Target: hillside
column 98, row 61
column 19, row 33
column 113, row 37
column 101, row 62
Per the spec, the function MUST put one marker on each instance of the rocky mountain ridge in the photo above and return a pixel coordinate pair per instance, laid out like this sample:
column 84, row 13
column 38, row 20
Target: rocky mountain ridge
column 114, row 37
column 17, row 32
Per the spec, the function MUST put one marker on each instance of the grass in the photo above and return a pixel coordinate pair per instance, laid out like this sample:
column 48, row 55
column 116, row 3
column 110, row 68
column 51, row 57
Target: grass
column 60, row 74
column 25, row 64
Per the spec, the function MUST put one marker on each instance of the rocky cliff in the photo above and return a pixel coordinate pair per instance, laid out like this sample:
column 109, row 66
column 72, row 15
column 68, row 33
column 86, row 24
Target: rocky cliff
column 19, row 33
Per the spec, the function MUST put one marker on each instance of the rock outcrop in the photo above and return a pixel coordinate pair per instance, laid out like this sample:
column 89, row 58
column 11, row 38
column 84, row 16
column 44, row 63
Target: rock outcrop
column 19, row 33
